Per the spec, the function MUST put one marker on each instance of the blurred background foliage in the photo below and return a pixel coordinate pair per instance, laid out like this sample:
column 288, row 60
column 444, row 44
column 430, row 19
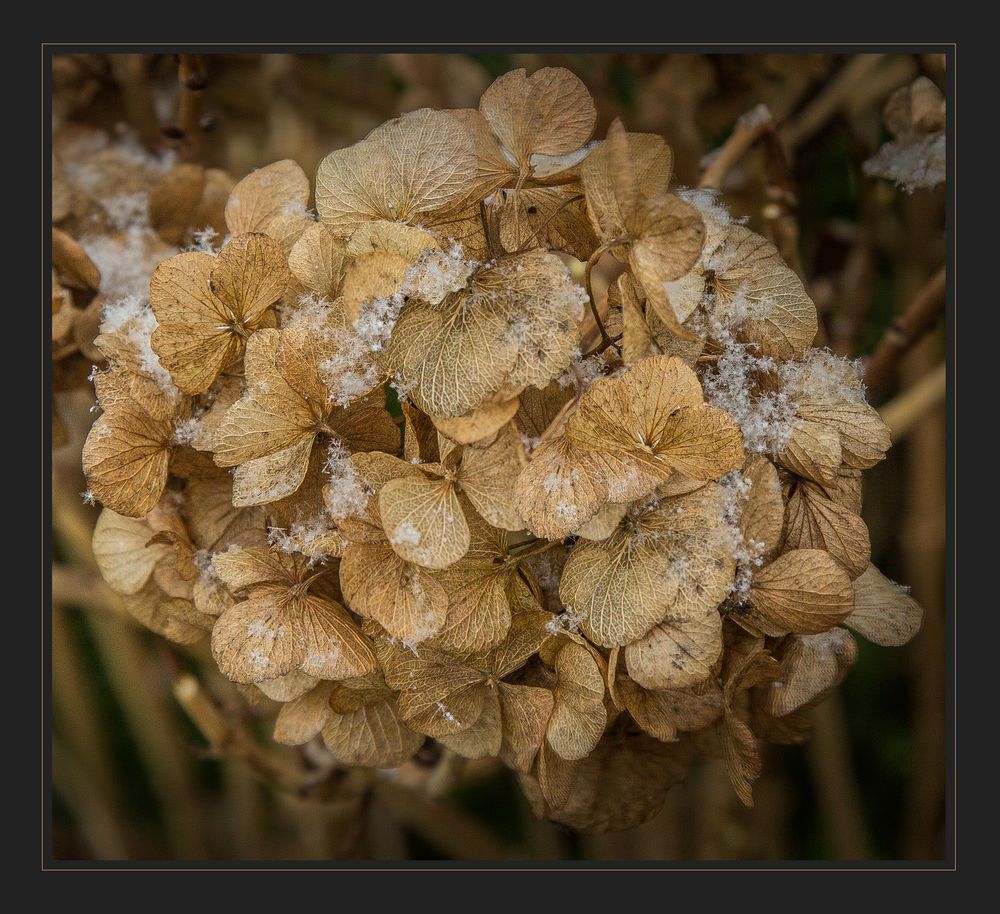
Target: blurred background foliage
column 132, row 778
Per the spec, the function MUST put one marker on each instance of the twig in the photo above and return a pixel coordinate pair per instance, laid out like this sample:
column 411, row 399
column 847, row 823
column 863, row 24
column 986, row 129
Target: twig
column 244, row 815
column 833, row 774
column 831, row 100
column 750, row 127
column 588, row 269
column 129, row 71
column 451, row 831
column 95, row 817
column 536, row 548
column 918, row 318
column 903, row 412
column 228, row 739
column 922, row 541
column 192, row 78
column 152, row 720
column 445, row 774
column 75, row 586
column 79, row 722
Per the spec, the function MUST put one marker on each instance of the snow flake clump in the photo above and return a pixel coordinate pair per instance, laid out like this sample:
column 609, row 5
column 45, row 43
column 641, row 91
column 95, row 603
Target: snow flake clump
column 351, row 372
column 749, row 554
column 133, row 318
column 824, row 375
column 583, row 371
column 347, row 493
column 764, row 416
column 204, row 240
column 436, row 273
column 405, row 533
column 568, row 620
column 706, row 201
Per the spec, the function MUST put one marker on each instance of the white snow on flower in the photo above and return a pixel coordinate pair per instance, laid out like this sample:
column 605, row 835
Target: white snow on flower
column 133, row 318
column 204, row 240
column 351, row 372
column 749, row 554
column 347, row 492
column 405, row 533
column 582, row 371
column 567, row 621
column 436, row 273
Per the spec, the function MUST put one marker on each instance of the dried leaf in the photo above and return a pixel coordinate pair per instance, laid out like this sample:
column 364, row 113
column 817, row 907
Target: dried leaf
column 811, row 666
column 120, row 548
column 884, row 612
column 804, row 591
column 763, row 518
column 206, row 307
column 126, row 459
column 755, row 289
column 407, row 601
column 561, row 489
column 578, row 714
column 408, row 170
column 173, row 200
column 482, row 422
column 816, row 522
column 621, row 589
column 424, row 521
column 549, row 113
column 265, row 194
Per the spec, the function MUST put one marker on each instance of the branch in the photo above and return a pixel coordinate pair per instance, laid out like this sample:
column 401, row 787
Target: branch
column 750, row 127
column 833, row 775
column 130, row 72
column 588, row 269
column 453, row 832
column 834, row 98
column 192, row 78
column 903, row 412
column 228, row 739
column 919, row 317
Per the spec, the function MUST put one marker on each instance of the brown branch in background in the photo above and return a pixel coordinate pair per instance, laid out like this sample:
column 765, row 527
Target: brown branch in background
column 445, row 773
column 922, row 539
column 86, row 759
column 781, row 212
column 836, row 786
column 99, row 826
column 905, row 410
column 446, row 827
column 748, row 130
column 228, row 739
column 153, row 723
column 244, row 817
column 192, row 78
column 919, row 317
column 898, row 70
column 129, row 71
column 830, row 101
column 450, row 830
column 75, row 586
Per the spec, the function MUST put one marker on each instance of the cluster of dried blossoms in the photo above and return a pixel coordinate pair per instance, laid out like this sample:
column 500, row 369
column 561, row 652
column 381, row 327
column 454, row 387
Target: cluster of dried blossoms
column 915, row 158
column 117, row 212
column 596, row 540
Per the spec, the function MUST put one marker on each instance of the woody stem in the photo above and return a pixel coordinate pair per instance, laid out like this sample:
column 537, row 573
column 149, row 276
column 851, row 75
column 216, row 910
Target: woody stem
column 606, row 340
column 549, row 218
column 536, row 548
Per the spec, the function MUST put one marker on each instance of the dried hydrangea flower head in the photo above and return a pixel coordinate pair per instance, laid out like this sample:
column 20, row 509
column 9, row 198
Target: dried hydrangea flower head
column 915, row 158
column 390, row 459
